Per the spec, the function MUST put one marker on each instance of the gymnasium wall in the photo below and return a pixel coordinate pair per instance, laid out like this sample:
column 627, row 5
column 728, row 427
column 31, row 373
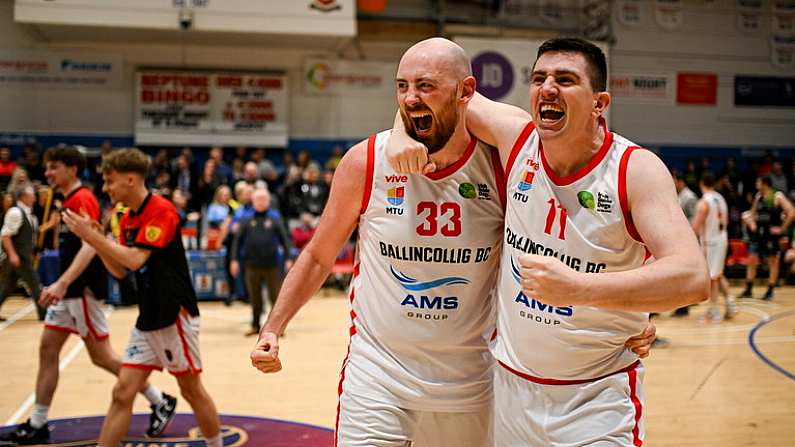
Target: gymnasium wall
column 707, row 41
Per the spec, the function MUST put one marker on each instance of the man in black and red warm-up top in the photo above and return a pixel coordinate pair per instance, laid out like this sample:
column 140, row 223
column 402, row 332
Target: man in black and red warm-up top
column 166, row 334
column 74, row 305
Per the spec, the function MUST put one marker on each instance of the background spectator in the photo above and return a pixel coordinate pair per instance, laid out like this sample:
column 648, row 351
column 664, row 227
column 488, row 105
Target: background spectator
column 7, row 167
column 261, row 244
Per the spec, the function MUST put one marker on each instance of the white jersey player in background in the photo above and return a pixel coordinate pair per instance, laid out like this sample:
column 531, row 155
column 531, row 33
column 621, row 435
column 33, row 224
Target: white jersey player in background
column 419, row 371
column 581, row 220
column 710, row 223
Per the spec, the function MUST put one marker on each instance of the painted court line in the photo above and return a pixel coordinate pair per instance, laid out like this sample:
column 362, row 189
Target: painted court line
column 20, row 314
column 752, row 341
column 61, row 366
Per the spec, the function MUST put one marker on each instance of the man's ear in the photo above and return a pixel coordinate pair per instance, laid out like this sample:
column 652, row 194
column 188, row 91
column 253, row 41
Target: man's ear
column 468, row 88
column 601, row 103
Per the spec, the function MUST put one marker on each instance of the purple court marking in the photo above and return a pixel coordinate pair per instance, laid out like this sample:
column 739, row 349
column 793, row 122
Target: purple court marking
column 236, row 431
column 764, row 358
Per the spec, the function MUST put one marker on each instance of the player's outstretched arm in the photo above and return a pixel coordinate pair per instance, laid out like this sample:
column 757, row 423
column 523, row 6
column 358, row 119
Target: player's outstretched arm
column 491, row 122
column 678, row 276
column 339, row 218
column 56, row 291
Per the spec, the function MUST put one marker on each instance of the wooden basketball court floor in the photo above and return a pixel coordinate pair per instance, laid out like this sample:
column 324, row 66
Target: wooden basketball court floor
column 708, row 388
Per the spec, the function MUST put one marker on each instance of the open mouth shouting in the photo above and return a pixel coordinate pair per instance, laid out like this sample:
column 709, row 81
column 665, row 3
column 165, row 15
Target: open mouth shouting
column 422, row 122
column 550, row 114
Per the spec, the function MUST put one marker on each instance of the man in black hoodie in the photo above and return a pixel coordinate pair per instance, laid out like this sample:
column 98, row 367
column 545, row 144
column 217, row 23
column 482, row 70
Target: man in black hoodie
column 261, row 244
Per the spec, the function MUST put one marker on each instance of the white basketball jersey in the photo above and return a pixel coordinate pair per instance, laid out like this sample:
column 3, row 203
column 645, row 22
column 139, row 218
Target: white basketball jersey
column 428, row 253
column 714, row 230
column 582, row 220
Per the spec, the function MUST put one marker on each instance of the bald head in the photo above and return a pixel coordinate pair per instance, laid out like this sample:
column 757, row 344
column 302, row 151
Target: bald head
column 440, row 54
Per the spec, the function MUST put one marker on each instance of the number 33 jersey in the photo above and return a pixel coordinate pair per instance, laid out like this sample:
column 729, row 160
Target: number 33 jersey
column 583, row 221
column 421, row 295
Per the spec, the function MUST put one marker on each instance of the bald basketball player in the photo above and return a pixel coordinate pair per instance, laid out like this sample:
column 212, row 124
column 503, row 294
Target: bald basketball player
column 586, row 208
column 418, row 370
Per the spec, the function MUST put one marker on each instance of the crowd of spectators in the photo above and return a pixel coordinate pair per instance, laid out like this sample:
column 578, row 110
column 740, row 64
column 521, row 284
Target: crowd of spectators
column 212, row 191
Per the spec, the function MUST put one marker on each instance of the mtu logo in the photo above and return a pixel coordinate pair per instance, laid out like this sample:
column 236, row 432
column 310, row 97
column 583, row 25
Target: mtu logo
column 412, row 284
column 526, row 183
column 395, row 195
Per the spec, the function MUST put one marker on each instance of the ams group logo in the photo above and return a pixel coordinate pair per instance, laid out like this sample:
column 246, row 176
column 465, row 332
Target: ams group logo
column 537, row 307
column 418, row 304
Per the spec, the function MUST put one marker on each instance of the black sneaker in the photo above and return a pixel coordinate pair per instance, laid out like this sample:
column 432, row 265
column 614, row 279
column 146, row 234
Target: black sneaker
column 768, row 295
column 162, row 414
column 746, row 294
column 25, row 434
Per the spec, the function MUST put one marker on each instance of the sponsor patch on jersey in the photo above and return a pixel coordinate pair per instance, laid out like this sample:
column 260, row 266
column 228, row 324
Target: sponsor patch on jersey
column 586, row 199
column 526, row 182
column 467, row 190
column 484, row 193
column 152, row 233
column 413, row 284
column 604, row 204
column 396, row 195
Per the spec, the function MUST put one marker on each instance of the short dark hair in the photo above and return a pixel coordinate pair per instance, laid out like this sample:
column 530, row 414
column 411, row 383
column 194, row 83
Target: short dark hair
column 594, row 57
column 128, row 161
column 766, row 180
column 708, row 179
column 68, row 155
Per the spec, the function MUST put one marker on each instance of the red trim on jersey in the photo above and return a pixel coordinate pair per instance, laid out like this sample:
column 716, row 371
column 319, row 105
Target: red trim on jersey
column 517, row 146
column 493, row 335
column 544, row 381
column 442, row 173
column 60, row 329
column 352, row 295
column 623, row 197
column 339, row 396
column 356, row 270
column 499, row 175
column 633, row 395
column 185, row 342
column 368, row 181
column 139, row 366
column 184, row 372
column 89, row 325
column 352, row 332
column 595, row 160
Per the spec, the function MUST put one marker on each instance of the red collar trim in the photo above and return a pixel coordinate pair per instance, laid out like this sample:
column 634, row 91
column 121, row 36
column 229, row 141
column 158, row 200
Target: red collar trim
column 438, row 175
column 597, row 158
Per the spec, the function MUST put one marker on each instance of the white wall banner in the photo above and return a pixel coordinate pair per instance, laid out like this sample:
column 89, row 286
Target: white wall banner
column 204, row 108
column 309, row 17
column 59, row 70
column 668, row 14
column 630, row 12
column 647, row 88
column 338, row 77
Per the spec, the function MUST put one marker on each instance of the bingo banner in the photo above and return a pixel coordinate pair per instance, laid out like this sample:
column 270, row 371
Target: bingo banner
column 203, row 108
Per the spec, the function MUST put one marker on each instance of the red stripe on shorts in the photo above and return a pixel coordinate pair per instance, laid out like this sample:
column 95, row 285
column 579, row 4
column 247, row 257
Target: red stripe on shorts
column 185, row 342
column 633, row 394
